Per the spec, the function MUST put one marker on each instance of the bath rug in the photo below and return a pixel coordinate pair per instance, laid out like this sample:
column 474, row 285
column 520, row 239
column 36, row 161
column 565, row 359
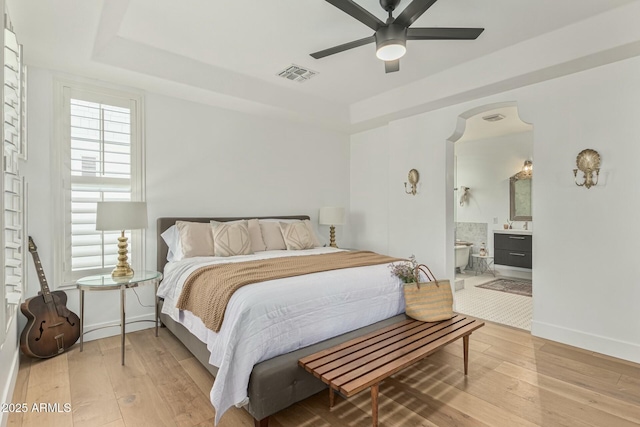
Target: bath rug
column 512, row 286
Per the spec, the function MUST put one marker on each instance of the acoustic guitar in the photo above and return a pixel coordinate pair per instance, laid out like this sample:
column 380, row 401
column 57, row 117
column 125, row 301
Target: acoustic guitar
column 51, row 327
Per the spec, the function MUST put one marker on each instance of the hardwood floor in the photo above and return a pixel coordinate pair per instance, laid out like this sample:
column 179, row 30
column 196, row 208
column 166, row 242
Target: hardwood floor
column 514, row 380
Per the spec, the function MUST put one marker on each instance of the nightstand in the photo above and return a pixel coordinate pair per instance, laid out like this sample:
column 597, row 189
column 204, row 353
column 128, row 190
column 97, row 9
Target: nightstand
column 107, row 283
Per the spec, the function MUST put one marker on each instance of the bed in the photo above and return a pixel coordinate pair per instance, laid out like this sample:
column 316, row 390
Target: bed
column 276, row 382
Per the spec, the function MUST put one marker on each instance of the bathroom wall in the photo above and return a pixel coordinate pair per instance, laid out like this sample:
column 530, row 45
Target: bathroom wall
column 474, row 232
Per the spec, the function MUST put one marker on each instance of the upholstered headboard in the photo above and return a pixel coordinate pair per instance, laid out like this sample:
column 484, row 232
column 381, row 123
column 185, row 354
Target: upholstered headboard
column 165, row 223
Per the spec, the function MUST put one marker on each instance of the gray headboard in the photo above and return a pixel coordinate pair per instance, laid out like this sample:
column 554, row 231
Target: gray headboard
column 164, row 223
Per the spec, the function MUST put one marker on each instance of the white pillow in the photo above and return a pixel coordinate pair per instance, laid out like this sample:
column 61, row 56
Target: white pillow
column 171, row 237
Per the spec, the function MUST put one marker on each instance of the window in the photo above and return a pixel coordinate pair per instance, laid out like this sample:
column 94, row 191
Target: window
column 100, row 159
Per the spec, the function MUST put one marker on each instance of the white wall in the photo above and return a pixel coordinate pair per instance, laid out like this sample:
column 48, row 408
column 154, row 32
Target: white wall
column 201, row 160
column 485, row 166
column 587, row 291
column 204, row 160
column 370, row 190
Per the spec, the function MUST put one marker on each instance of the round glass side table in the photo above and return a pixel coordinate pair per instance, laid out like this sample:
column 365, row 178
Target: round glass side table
column 105, row 282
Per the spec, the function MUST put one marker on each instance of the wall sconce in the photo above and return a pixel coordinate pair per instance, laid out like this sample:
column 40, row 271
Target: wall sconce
column 588, row 161
column 526, row 172
column 464, row 198
column 413, row 177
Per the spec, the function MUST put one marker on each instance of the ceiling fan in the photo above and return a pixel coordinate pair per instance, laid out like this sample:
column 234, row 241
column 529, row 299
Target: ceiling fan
column 391, row 36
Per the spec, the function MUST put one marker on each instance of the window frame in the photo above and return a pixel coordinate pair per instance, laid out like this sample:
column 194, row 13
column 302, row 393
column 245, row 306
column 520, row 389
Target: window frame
column 64, row 90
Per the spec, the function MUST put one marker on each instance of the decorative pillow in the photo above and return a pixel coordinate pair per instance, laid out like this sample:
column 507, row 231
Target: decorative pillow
column 255, row 234
column 195, row 238
column 272, row 235
column 314, row 237
column 231, row 238
column 171, row 237
column 296, row 235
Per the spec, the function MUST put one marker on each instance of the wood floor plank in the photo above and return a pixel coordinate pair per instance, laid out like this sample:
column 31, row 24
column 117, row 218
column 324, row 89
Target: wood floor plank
column 581, row 395
column 20, row 392
column 139, row 401
column 438, row 413
column 550, row 361
column 173, row 344
column 182, row 396
column 427, row 382
column 586, row 357
column 200, row 376
column 342, row 414
column 514, row 380
column 514, row 335
column 48, row 384
column 94, row 402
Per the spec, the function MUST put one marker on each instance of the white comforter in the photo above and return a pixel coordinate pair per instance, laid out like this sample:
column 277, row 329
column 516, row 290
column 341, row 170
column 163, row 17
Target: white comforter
column 271, row 318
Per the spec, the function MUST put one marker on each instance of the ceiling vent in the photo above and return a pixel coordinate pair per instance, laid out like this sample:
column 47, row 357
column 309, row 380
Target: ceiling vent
column 297, row 74
column 493, row 118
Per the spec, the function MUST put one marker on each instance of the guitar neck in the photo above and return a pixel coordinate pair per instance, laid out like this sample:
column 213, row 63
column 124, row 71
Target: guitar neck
column 41, row 277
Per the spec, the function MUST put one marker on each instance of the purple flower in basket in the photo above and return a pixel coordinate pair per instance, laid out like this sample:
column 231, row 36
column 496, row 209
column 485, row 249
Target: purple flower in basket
column 406, row 270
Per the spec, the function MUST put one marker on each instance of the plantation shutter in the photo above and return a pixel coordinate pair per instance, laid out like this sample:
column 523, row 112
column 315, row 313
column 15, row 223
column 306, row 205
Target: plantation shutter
column 101, row 167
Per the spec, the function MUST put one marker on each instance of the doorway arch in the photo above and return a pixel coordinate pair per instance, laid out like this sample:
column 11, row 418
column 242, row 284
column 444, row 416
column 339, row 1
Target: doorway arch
column 491, row 181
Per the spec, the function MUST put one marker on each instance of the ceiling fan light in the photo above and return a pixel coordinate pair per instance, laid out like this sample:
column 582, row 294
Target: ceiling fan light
column 391, row 42
column 391, row 52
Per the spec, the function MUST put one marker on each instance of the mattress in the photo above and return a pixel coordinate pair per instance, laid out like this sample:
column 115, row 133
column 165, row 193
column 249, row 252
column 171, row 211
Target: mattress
column 271, row 318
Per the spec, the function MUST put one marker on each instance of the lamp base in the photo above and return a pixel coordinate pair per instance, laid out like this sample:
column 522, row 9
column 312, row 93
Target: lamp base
column 123, row 269
column 332, row 236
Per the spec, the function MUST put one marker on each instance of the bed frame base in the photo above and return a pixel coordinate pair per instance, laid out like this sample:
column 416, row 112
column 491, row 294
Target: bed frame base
column 262, row 423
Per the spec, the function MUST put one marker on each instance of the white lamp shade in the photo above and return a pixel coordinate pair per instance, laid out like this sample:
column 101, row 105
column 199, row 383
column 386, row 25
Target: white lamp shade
column 115, row 216
column 331, row 216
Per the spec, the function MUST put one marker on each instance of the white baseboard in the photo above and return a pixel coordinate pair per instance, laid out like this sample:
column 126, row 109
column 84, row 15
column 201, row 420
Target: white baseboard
column 7, row 391
column 112, row 329
column 604, row 345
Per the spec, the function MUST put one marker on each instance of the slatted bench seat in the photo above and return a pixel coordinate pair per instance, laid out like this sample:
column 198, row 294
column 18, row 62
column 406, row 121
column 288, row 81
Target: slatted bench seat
column 366, row 361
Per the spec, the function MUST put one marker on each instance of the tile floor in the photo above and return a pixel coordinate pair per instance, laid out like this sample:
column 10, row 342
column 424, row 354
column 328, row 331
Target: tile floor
column 500, row 307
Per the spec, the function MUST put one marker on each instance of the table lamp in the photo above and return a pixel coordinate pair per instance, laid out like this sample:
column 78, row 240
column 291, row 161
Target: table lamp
column 331, row 216
column 112, row 216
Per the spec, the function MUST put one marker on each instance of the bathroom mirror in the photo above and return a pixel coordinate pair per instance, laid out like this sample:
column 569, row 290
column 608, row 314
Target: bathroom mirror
column 520, row 198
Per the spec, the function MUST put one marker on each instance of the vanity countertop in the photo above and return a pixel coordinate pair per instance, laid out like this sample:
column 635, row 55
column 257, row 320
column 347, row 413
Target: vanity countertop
column 513, row 231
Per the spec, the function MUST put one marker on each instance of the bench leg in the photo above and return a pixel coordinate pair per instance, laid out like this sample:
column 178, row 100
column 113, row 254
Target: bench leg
column 465, row 347
column 374, row 405
column 332, row 397
column 261, row 423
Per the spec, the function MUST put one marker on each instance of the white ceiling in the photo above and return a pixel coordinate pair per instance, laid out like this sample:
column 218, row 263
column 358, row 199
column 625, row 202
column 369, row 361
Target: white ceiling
column 233, row 50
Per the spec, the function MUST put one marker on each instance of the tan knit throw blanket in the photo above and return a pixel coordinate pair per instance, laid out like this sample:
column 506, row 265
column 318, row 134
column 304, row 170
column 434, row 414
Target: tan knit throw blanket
column 207, row 290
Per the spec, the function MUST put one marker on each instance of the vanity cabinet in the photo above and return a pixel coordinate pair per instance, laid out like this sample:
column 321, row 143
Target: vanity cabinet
column 513, row 250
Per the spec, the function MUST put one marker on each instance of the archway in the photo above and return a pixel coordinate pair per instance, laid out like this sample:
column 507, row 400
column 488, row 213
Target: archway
column 489, row 147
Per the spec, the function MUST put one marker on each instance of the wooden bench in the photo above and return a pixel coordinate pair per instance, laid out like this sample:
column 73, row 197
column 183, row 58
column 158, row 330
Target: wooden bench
column 365, row 362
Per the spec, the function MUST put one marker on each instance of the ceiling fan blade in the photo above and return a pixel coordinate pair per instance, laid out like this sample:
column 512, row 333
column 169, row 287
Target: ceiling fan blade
column 412, row 12
column 391, row 66
column 359, row 13
column 443, row 33
column 343, row 47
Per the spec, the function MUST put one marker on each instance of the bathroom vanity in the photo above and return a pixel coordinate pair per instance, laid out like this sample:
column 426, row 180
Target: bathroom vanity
column 512, row 248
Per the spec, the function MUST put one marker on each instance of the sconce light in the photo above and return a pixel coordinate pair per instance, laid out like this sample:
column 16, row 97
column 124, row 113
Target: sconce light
column 588, row 161
column 526, row 172
column 464, row 198
column 413, row 177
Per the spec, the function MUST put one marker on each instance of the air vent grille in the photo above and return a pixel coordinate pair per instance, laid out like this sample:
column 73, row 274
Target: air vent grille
column 493, row 118
column 297, row 74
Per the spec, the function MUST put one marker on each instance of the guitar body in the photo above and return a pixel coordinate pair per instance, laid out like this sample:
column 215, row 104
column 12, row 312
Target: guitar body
column 51, row 327
column 47, row 333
